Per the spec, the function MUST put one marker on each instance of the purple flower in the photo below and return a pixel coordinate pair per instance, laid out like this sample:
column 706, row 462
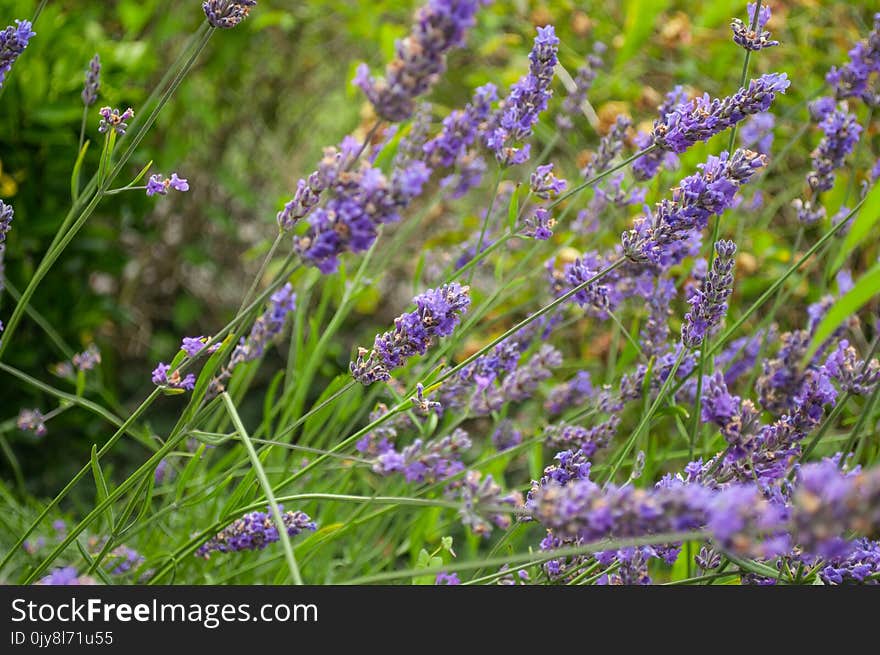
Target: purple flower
column 854, row 375
column 853, row 78
column 447, row 579
column 587, row 440
column 13, row 41
column 841, row 133
column 192, row 346
column 699, row 196
column 544, row 184
column 522, row 108
column 161, row 378
column 361, row 199
column 111, row 119
column 159, row 184
column 702, row 118
column 123, row 559
column 859, row 566
column 709, row 303
column 807, row 213
column 93, row 82
column 425, row 462
column 570, row 394
column 226, row 14
column 88, row 359
column 583, row 81
column 749, row 37
column 481, row 497
column 506, row 436
column 460, row 129
column 438, row 312
column 646, row 167
column 32, row 420
column 439, row 26
column 255, row 531
column 267, row 326
column 66, row 576
column 757, row 132
column 540, row 225
column 6, row 216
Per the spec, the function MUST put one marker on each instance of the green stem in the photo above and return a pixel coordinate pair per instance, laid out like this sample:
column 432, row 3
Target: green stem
column 267, row 489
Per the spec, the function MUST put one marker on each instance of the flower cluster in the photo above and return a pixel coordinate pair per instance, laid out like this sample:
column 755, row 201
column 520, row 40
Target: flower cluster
column 13, row 41
column 254, row 531
column 66, row 575
column 32, row 420
column 855, row 376
column 853, row 78
column 709, row 303
column 437, row 313
column 361, row 198
column 709, row 192
column 752, row 35
column 226, row 14
column 111, row 119
column 423, row 462
column 522, row 108
column 646, row 167
column 841, row 133
column 173, row 380
column 159, row 184
column 702, row 118
column 267, row 326
column 439, row 26
column 481, row 502
column 87, row 359
column 93, row 82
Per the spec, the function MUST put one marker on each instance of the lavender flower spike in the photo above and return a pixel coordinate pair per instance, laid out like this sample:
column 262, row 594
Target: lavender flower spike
column 438, row 312
column 709, row 304
column 6, row 216
column 265, row 328
column 440, row 26
column 93, row 82
column 710, row 192
column 13, row 41
column 254, row 531
column 757, row 38
column 111, row 119
column 842, row 131
column 702, row 118
column 646, row 167
column 226, row 14
column 522, row 108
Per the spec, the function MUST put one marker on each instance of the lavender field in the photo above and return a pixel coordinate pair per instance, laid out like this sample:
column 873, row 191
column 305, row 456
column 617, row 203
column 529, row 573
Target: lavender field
column 440, row 292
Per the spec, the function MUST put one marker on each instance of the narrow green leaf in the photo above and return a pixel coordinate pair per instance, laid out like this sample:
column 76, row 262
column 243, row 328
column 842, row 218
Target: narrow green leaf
column 101, row 483
column 861, row 228
column 188, row 471
column 140, row 175
column 77, row 167
column 864, row 289
column 513, row 209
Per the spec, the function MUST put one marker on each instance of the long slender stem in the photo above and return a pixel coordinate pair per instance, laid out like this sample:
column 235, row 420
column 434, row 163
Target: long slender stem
column 498, row 177
column 267, row 488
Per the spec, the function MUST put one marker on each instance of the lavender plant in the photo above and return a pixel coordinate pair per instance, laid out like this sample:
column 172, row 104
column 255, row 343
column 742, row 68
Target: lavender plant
column 665, row 388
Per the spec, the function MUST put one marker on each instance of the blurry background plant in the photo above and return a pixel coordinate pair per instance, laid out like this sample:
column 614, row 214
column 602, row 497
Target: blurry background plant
column 253, row 117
